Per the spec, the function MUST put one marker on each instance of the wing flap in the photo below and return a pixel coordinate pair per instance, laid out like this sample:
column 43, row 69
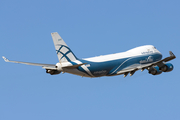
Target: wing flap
column 126, row 70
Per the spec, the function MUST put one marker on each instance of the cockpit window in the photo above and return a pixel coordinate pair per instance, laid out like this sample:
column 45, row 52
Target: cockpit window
column 154, row 47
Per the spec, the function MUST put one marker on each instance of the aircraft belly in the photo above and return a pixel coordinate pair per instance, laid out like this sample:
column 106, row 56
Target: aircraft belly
column 76, row 72
column 102, row 69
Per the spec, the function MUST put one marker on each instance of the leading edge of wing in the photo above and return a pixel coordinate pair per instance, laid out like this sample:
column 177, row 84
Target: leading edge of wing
column 28, row 63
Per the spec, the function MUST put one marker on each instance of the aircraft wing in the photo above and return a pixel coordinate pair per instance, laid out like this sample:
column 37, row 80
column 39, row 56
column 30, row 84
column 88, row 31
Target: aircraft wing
column 145, row 66
column 46, row 66
column 50, row 66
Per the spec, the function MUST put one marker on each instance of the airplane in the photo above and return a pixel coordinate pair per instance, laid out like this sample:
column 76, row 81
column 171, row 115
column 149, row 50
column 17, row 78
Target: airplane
column 124, row 63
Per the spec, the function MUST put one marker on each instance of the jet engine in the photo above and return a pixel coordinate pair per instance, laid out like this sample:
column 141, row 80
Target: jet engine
column 154, row 70
column 56, row 71
column 167, row 67
column 53, row 72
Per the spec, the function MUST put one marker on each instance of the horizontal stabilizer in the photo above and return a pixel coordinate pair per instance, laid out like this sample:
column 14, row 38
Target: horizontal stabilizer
column 49, row 68
column 73, row 66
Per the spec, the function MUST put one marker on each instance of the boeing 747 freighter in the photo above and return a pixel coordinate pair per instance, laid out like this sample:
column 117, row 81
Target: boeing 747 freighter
column 124, row 63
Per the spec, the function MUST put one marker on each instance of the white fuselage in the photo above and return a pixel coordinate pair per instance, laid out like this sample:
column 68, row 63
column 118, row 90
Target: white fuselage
column 103, row 61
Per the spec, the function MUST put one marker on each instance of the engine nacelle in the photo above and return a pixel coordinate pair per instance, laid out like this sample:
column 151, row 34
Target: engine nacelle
column 154, row 70
column 59, row 67
column 167, row 67
column 53, row 72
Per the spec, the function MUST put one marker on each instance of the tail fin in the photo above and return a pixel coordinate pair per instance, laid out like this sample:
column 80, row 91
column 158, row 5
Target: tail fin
column 64, row 53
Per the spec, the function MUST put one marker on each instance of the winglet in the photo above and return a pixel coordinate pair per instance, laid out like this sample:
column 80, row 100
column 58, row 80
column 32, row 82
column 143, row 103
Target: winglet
column 171, row 54
column 5, row 59
column 171, row 57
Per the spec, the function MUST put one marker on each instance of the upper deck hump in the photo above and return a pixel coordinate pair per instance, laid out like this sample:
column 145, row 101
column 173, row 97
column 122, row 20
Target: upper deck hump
column 130, row 53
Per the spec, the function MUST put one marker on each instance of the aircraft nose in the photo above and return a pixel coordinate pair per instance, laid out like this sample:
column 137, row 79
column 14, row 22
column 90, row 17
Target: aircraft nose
column 159, row 55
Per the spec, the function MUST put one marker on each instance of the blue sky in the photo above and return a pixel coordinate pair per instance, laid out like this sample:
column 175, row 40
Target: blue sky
column 90, row 28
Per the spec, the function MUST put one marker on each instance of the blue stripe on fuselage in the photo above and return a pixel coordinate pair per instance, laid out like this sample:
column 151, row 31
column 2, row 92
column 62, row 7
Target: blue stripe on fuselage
column 112, row 67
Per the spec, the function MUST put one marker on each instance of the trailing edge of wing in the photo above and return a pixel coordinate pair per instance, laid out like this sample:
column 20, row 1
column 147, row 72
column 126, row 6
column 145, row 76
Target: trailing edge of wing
column 126, row 70
column 28, row 63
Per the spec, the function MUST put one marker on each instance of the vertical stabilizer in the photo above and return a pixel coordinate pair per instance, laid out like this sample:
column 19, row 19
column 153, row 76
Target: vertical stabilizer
column 64, row 53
